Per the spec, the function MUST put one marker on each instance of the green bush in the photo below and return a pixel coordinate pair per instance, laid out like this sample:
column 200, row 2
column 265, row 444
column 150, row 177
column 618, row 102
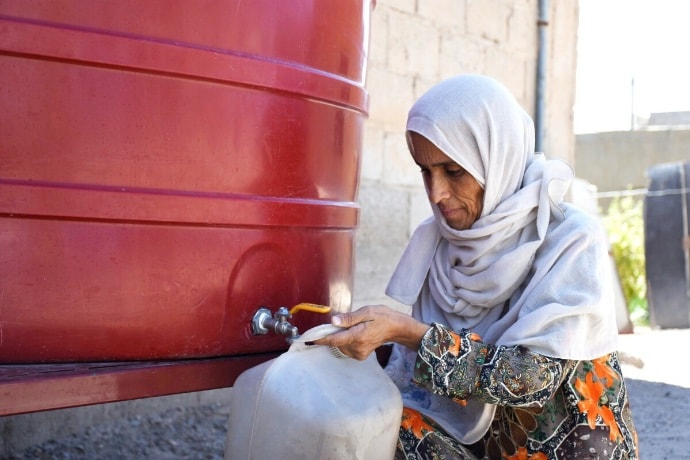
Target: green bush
column 624, row 223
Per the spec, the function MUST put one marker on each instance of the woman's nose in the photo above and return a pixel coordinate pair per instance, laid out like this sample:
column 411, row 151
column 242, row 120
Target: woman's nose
column 438, row 190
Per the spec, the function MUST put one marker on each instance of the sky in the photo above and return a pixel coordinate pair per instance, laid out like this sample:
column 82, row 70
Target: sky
column 633, row 56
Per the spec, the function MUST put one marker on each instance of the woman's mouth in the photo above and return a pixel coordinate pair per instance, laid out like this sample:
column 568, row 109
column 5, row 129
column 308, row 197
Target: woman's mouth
column 448, row 212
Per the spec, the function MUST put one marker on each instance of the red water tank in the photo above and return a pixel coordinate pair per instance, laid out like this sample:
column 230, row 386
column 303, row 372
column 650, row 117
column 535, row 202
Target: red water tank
column 169, row 167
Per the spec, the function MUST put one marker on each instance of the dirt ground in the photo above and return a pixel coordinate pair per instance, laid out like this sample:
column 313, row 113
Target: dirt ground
column 655, row 367
column 658, row 383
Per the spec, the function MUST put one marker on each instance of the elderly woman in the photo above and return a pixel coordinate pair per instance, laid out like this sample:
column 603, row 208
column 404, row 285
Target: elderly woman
column 510, row 351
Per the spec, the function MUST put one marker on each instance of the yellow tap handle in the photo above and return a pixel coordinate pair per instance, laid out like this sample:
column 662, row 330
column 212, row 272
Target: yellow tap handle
column 310, row 307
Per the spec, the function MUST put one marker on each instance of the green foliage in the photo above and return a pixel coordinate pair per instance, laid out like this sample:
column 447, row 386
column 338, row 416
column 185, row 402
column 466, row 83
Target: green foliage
column 624, row 223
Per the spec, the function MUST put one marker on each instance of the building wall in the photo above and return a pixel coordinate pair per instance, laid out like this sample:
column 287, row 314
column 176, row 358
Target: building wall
column 616, row 161
column 417, row 43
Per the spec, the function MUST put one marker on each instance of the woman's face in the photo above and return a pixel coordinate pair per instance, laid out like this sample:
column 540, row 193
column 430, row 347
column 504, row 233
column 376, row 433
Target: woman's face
column 457, row 194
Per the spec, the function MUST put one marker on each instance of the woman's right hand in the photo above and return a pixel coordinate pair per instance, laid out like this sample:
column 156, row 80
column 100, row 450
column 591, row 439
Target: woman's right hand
column 369, row 327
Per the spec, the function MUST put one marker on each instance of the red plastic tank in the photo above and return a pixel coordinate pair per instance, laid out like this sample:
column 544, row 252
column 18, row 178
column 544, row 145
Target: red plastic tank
column 169, row 167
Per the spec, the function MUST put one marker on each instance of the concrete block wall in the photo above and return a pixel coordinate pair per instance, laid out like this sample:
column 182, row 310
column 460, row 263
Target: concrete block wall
column 618, row 160
column 417, row 43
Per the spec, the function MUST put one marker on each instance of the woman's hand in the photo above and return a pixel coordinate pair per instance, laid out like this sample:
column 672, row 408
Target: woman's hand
column 370, row 327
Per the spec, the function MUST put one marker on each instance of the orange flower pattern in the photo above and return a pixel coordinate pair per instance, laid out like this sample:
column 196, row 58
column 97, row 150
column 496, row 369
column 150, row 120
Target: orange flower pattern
column 591, row 405
column 546, row 408
column 591, row 392
column 604, row 372
column 413, row 422
column 522, row 454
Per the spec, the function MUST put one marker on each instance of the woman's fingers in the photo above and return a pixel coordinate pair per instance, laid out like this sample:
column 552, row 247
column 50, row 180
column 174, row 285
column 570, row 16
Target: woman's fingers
column 353, row 342
column 350, row 319
column 364, row 332
column 369, row 327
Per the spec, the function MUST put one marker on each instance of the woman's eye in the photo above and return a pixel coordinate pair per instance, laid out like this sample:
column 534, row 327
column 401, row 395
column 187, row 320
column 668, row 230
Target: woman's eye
column 455, row 172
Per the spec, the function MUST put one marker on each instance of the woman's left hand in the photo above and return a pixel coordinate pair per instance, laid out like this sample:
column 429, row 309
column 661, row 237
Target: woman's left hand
column 369, row 327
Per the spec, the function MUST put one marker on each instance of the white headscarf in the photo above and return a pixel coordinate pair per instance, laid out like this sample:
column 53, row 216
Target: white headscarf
column 530, row 271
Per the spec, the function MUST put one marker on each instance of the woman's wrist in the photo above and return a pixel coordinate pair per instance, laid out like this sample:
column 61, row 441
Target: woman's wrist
column 410, row 332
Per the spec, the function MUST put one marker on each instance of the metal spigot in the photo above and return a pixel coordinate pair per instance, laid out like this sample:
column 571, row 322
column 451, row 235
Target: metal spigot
column 263, row 322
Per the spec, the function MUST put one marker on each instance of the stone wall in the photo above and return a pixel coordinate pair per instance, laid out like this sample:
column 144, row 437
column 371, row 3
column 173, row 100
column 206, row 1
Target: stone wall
column 417, row 43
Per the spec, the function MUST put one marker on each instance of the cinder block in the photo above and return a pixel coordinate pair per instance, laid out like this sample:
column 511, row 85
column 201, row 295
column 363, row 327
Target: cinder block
column 398, row 167
column 378, row 38
column 460, row 54
column 372, row 152
column 391, row 97
column 523, row 29
column 420, row 209
column 413, row 46
column 446, row 14
column 488, row 20
column 408, row 6
column 381, row 238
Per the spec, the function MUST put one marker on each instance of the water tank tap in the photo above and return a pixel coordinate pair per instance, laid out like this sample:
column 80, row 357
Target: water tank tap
column 263, row 322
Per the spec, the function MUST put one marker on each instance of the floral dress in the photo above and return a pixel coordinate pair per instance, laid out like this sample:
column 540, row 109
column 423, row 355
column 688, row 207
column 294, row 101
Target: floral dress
column 546, row 408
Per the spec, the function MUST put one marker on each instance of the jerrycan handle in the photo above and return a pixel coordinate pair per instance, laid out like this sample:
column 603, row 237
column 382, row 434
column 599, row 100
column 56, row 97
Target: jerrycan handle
column 325, row 329
column 316, row 333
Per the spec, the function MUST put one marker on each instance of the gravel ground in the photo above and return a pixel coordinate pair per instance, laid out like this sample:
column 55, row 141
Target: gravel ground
column 185, row 433
column 659, row 393
column 199, row 433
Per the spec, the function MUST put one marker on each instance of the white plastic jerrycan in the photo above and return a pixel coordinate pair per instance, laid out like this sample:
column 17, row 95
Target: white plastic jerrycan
column 309, row 404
